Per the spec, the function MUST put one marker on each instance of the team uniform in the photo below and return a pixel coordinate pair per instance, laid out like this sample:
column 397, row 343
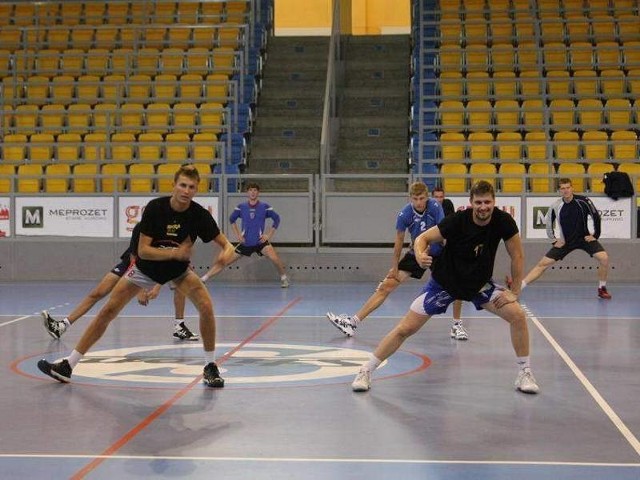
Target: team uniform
column 253, row 218
column 573, row 220
column 415, row 223
column 169, row 229
column 125, row 258
column 464, row 269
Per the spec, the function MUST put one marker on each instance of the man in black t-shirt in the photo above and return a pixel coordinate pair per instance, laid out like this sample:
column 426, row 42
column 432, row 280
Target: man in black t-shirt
column 464, row 271
column 168, row 229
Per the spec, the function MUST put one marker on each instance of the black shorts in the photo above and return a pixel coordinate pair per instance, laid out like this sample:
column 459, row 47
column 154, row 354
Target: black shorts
column 591, row 248
column 248, row 251
column 408, row 263
column 121, row 268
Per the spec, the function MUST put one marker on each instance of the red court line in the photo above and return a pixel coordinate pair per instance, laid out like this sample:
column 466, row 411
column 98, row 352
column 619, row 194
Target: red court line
column 131, row 434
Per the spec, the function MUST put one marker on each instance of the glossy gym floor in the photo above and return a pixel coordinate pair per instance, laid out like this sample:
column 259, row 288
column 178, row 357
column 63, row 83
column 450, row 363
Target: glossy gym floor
column 438, row 409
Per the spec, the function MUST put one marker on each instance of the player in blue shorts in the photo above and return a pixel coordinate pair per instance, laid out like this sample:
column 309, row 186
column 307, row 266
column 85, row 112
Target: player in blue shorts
column 417, row 216
column 56, row 328
column 252, row 237
column 464, row 271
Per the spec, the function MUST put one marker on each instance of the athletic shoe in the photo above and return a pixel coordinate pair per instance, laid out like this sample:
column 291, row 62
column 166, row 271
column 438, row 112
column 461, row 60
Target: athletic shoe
column 602, row 293
column 525, row 382
column 284, row 282
column 54, row 327
column 459, row 332
column 183, row 333
column 362, row 383
column 211, row 376
column 61, row 371
column 343, row 322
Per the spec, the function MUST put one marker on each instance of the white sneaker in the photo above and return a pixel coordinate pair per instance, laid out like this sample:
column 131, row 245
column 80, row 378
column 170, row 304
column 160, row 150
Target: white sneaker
column 362, row 383
column 343, row 322
column 526, row 382
column 459, row 332
column 284, row 282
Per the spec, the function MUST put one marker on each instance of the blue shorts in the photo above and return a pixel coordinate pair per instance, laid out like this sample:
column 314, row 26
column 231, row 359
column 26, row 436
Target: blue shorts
column 434, row 299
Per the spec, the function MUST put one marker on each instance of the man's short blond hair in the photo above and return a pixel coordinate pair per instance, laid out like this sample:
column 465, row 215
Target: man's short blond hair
column 418, row 188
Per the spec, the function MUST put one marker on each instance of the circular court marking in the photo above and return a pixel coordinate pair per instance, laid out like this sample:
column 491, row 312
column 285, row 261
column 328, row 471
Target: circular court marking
column 255, row 365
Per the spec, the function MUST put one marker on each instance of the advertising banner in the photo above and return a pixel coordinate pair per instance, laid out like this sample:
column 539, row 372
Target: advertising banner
column 5, row 217
column 511, row 205
column 130, row 211
column 64, row 216
column 615, row 216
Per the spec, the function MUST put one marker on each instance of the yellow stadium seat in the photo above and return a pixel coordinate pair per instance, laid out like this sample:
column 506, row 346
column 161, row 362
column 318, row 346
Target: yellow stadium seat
column 450, row 85
column 633, row 169
column 507, row 115
column 150, row 146
column 628, row 27
column 29, row 178
column 191, row 88
column 117, row 13
column 607, row 55
column 57, row 177
column 536, row 144
column 24, row 62
column 113, row 88
column 88, row 89
column 217, row 86
column 483, row 171
column 603, row 28
column 14, row 149
column 68, row 147
column 58, row 38
column 451, row 184
column 147, row 61
column 6, row 180
column 177, row 148
column 5, row 63
column 141, row 12
column 165, row 172
column 97, row 62
column 71, row 12
column 540, row 177
column 184, row 117
column 72, row 62
column 504, row 85
column 171, row 61
column 41, row 147
column 581, row 55
column 155, row 37
column 158, row 118
column 79, row 118
column 554, row 55
column 509, row 147
column 566, row 146
column 52, row 119
column 513, row 177
column 47, row 62
column 503, row 57
column 94, row 13
column 476, row 58
column 82, row 38
column 95, row 147
column 84, row 177
column 558, row 84
column 590, row 114
column 179, row 37
column 123, row 147
column 527, row 55
column 449, row 58
column 197, row 61
column 114, row 177
column 188, row 12
column 585, row 84
column 131, row 118
column 37, row 90
column 533, row 114
column 573, row 171
column 596, row 171
column 223, row 60
column 26, row 119
column 63, row 89
column 612, row 83
column 451, row 115
column 624, row 146
column 531, row 85
column 480, row 147
column 203, row 36
column 130, row 37
column 204, row 148
column 477, row 85
column 618, row 113
column 577, row 27
column 106, row 38
column 595, row 146
column 211, row 117
column 552, row 29
column 562, row 114
column 479, row 115
column 139, row 88
column 229, row 36
column 633, row 79
column 122, row 61
column 141, row 178
column 165, row 88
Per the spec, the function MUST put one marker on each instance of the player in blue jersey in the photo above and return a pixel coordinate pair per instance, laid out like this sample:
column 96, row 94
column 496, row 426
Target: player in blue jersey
column 420, row 214
column 252, row 237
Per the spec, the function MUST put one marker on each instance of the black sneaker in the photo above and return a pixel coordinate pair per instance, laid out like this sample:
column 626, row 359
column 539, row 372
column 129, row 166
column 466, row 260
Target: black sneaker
column 60, row 371
column 183, row 333
column 54, row 327
column 211, row 376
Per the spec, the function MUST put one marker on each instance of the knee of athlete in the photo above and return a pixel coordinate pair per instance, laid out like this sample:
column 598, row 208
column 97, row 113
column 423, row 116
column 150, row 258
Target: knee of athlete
column 405, row 331
column 387, row 286
column 518, row 318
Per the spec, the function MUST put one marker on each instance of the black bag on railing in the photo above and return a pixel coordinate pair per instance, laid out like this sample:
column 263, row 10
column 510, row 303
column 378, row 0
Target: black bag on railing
column 617, row 185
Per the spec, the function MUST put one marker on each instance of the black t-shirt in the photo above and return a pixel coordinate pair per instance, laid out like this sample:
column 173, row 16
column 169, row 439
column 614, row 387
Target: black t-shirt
column 169, row 228
column 133, row 244
column 466, row 263
column 447, row 206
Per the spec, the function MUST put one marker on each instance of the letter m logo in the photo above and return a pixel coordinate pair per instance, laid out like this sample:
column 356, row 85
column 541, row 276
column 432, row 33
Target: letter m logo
column 539, row 214
column 32, row 217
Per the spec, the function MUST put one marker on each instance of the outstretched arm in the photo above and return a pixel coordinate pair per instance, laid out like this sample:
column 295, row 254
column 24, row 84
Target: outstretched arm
column 421, row 245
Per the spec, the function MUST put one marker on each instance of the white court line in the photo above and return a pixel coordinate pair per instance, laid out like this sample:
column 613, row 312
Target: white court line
column 617, row 421
column 17, row 320
column 321, row 460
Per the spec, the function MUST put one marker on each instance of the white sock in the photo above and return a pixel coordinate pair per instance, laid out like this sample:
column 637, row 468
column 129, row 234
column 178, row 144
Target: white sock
column 356, row 319
column 373, row 363
column 209, row 357
column 177, row 322
column 283, row 276
column 457, row 321
column 66, row 321
column 602, row 284
column 524, row 362
column 522, row 285
column 74, row 358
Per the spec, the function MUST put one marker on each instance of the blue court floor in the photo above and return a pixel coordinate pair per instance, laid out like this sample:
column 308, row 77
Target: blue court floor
column 438, row 409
